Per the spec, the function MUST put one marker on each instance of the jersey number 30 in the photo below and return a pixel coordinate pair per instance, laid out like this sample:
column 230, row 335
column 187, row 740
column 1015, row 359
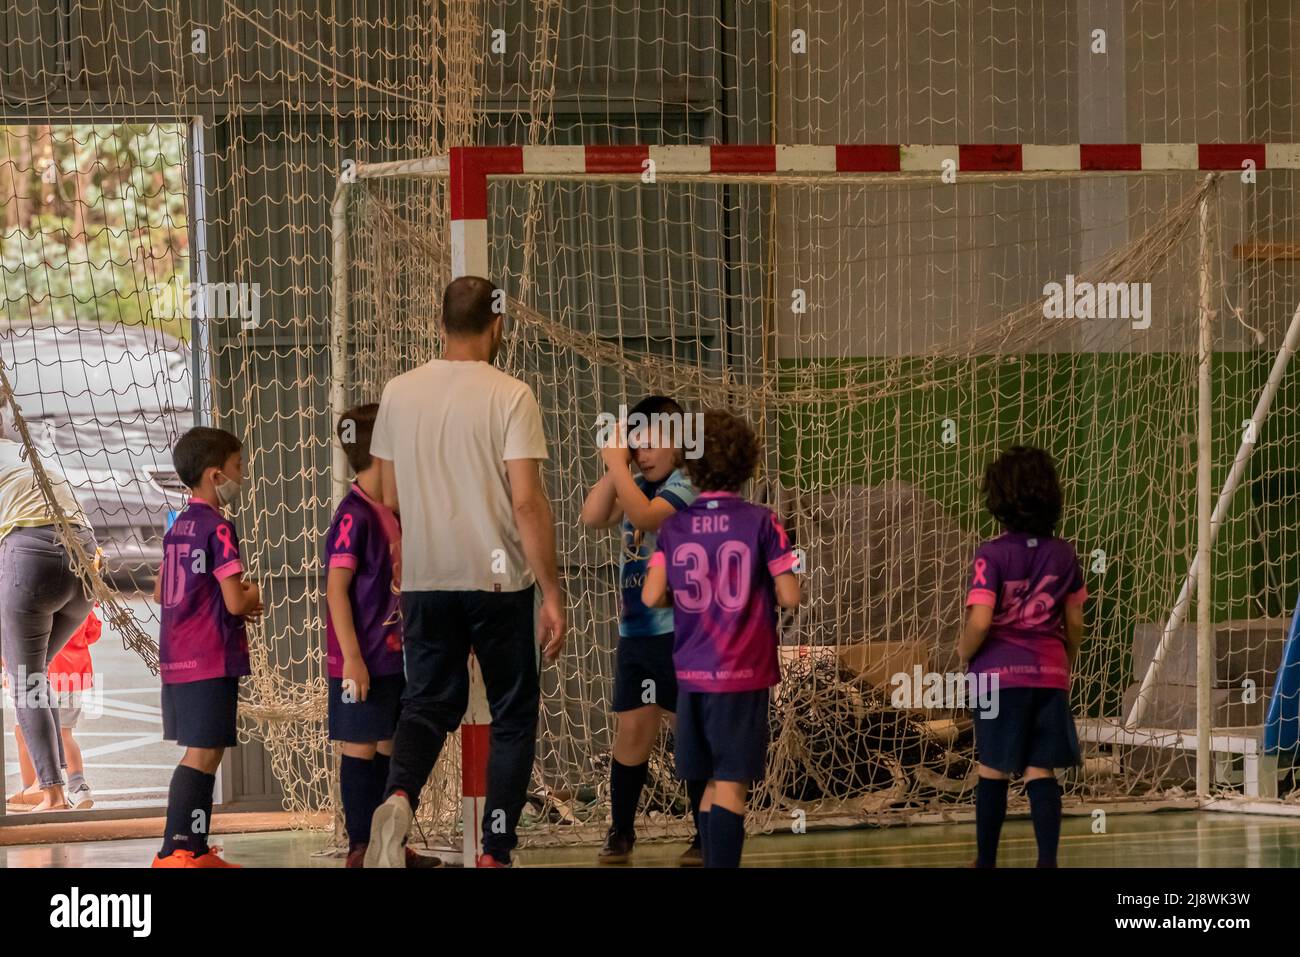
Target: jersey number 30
column 733, row 561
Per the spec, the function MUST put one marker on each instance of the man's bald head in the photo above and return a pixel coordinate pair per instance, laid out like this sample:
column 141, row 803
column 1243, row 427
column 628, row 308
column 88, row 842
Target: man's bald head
column 467, row 306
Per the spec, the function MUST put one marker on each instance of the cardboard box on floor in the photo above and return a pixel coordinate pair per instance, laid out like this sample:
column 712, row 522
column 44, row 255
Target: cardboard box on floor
column 879, row 661
column 876, row 662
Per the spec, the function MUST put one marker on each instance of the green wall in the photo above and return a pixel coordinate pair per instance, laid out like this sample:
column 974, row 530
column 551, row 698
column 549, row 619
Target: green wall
column 1122, row 428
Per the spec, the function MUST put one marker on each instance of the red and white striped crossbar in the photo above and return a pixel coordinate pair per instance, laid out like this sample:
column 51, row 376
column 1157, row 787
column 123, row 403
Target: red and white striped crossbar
column 469, row 167
column 470, row 164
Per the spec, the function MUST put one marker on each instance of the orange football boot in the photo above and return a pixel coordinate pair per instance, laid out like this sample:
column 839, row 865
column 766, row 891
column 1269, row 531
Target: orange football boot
column 183, row 858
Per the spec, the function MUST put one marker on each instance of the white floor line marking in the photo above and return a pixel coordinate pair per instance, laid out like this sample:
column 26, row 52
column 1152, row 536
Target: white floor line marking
column 79, row 733
column 108, row 712
column 139, row 742
column 109, row 699
column 156, row 689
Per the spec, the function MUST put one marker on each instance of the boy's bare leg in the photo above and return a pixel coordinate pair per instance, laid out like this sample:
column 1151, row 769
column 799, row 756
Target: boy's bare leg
column 72, row 752
column 706, row 802
column 206, row 760
column 730, row 795
column 638, row 730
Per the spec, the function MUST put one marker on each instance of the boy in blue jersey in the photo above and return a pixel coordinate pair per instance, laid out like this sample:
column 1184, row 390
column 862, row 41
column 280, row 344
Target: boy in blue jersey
column 645, row 686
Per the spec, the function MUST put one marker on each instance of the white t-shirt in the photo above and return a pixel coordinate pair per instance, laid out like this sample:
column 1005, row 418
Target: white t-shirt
column 449, row 427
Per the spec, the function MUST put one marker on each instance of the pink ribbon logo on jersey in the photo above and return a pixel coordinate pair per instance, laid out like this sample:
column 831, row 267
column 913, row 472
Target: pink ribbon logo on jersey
column 344, row 537
column 228, row 543
column 980, row 565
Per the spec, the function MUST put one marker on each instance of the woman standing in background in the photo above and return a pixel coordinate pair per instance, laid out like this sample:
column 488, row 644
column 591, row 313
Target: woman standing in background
column 42, row 601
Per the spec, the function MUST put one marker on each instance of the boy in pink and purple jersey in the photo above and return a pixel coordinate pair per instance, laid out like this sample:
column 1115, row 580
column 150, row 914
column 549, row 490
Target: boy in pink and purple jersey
column 728, row 564
column 202, row 643
column 363, row 635
column 1024, row 625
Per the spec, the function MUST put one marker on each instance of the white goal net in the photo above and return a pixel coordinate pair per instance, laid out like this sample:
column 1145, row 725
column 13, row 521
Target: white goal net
column 886, row 336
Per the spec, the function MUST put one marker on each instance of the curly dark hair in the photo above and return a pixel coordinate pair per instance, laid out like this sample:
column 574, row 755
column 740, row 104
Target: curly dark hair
column 1022, row 492
column 359, row 423
column 730, row 453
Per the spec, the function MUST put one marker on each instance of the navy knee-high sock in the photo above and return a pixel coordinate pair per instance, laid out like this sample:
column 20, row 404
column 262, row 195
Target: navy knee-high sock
column 382, row 761
column 378, row 781
column 1045, row 810
column 209, row 787
column 625, row 784
column 380, row 772
column 357, row 785
column 695, row 792
column 190, row 791
column 702, row 826
column 726, row 834
column 990, row 812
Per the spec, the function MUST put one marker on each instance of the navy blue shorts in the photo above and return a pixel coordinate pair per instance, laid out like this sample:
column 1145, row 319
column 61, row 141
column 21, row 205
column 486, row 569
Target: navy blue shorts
column 638, row 661
column 1033, row 729
column 201, row 714
column 364, row 722
column 722, row 736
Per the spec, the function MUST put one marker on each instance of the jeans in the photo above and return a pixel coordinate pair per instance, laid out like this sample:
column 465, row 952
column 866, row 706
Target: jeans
column 42, row 603
column 440, row 628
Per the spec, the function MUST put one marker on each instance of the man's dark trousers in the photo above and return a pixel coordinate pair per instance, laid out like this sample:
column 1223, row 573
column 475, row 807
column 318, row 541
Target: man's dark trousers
column 440, row 628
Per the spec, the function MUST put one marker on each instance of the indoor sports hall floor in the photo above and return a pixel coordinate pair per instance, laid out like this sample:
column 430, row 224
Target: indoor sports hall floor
column 1164, row 839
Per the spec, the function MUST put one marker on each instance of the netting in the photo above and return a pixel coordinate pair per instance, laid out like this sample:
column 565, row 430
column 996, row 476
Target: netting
column 922, row 344
column 888, row 337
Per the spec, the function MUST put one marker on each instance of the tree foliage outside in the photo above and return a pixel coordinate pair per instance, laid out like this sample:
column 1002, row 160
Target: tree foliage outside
column 93, row 225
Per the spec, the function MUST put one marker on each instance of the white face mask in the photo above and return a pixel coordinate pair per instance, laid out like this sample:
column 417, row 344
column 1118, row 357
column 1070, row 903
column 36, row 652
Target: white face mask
column 227, row 490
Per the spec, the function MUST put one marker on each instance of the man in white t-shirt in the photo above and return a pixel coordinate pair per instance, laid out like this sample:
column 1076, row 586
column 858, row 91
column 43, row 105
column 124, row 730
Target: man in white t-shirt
column 460, row 448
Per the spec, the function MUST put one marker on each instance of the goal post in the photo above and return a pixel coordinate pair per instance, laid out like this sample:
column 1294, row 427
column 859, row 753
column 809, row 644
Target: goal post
column 929, row 265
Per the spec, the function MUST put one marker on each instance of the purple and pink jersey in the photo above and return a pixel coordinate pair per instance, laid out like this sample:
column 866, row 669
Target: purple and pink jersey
column 1027, row 580
column 366, row 538
column 199, row 638
column 722, row 554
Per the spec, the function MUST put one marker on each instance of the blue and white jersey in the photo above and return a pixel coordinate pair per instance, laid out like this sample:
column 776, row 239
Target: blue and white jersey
column 635, row 619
